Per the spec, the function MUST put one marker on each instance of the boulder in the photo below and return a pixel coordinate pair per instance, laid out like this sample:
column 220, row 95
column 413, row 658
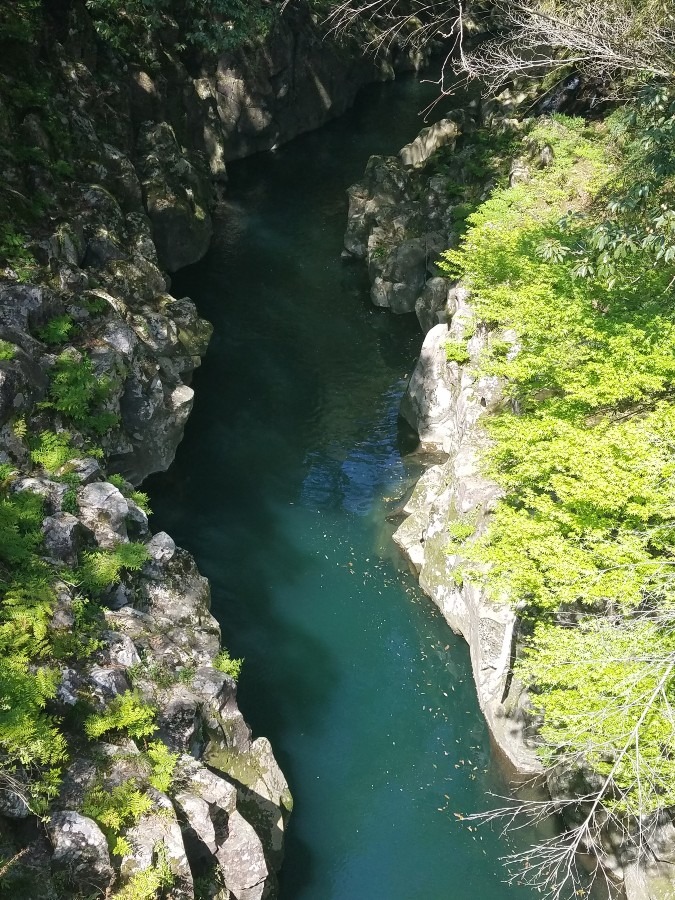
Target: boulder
column 63, row 536
column 80, row 851
column 157, row 832
column 432, row 306
column 428, row 141
column 103, row 510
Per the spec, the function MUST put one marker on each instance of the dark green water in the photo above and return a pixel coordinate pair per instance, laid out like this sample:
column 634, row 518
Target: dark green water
column 278, row 489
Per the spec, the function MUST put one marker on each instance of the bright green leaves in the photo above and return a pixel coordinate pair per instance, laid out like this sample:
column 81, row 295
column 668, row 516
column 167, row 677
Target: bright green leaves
column 224, row 663
column 102, row 568
column 115, row 809
column 606, row 690
column 586, row 521
column 163, row 763
column 126, row 713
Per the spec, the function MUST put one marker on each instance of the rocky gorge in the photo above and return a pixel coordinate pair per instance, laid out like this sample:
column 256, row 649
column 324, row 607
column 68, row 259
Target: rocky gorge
column 110, row 174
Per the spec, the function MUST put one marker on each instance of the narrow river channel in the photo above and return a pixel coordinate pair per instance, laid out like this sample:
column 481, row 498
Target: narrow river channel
column 280, row 488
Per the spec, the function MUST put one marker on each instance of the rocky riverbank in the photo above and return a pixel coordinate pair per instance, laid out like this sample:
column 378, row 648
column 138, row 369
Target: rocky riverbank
column 125, row 734
column 401, row 214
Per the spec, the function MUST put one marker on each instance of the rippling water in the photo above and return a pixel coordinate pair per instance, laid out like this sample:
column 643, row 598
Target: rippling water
column 280, row 489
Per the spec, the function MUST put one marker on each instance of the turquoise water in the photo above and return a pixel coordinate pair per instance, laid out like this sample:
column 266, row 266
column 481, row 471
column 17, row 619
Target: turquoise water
column 280, row 489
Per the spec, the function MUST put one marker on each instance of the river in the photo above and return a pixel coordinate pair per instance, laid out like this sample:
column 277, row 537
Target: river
column 280, row 488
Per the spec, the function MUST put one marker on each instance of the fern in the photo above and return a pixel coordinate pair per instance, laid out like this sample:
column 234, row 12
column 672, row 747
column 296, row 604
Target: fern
column 57, row 330
column 116, row 809
column 102, row 568
column 127, row 713
column 163, row 763
column 77, row 392
column 52, row 451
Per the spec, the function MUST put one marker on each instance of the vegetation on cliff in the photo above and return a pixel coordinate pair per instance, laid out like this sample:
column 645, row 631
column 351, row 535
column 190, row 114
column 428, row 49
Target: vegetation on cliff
column 576, row 262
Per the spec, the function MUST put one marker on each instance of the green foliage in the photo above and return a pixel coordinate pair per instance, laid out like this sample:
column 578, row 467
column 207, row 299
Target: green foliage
column 14, row 253
column 455, row 351
column 633, row 220
column 212, row 26
column 57, row 330
column 32, row 746
column 52, row 451
column 77, row 392
column 587, row 517
column 142, row 501
column 20, row 428
column 126, row 713
column 19, row 21
column 224, row 663
column 147, row 884
column 606, row 692
column 563, row 534
column 163, row 763
column 460, row 531
column 102, row 568
column 69, row 503
column 7, row 350
column 140, row 498
column 115, row 809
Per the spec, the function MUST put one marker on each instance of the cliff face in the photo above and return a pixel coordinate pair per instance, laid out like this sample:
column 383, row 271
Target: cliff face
column 110, row 172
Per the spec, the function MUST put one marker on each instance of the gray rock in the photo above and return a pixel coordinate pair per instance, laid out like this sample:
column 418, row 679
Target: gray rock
column 242, row 860
column 107, row 683
column 103, row 510
column 428, row 141
column 159, row 828
column 177, row 193
column 63, row 537
column 445, row 403
column 161, row 548
column 80, row 851
column 432, row 306
column 121, row 650
column 52, row 491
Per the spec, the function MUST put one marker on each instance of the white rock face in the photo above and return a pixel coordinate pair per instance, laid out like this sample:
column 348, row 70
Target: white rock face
column 428, row 141
column 444, row 403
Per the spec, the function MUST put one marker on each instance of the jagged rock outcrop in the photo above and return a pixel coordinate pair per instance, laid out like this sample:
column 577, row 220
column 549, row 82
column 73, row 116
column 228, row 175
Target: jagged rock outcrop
column 80, row 850
column 401, row 219
column 444, row 402
column 161, row 640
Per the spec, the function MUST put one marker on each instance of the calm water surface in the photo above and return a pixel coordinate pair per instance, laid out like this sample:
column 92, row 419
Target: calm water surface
column 280, row 489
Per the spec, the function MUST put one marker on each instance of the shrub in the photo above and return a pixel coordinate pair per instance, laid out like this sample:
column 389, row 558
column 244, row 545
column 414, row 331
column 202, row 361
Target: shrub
column 455, row 351
column 77, row 392
column 224, row 663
